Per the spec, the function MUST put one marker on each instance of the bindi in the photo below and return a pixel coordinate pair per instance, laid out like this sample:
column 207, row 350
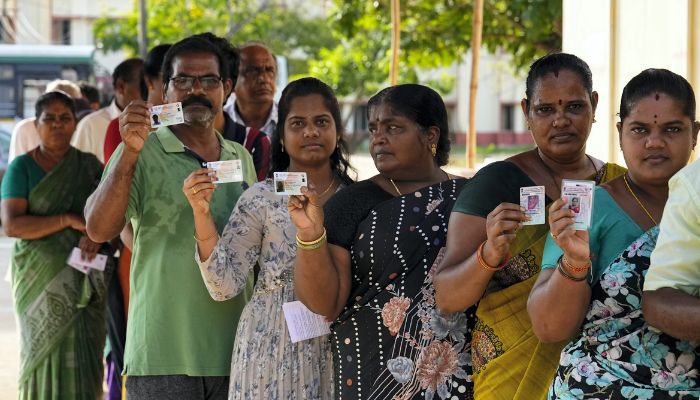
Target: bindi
column 655, row 119
column 560, row 102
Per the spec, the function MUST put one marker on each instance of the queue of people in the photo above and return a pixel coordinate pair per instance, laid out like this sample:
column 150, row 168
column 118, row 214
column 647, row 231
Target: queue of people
column 433, row 286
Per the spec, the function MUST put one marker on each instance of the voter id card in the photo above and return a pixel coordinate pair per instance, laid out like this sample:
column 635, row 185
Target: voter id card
column 226, row 171
column 532, row 200
column 166, row 115
column 579, row 199
column 289, row 183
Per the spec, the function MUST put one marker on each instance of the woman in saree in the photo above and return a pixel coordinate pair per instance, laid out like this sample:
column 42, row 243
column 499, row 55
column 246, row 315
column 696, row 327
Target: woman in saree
column 61, row 310
column 366, row 260
column 591, row 283
column 492, row 258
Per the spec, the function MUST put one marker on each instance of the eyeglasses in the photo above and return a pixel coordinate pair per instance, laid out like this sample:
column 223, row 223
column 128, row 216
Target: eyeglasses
column 208, row 82
column 254, row 72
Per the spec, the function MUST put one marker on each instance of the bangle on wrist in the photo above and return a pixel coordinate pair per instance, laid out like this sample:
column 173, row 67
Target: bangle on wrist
column 568, row 276
column 205, row 239
column 570, row 267
column 482, row 263
column 312, row 245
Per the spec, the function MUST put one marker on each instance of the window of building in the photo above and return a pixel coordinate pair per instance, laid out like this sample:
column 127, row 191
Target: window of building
column 61, row 31
column 508, row 117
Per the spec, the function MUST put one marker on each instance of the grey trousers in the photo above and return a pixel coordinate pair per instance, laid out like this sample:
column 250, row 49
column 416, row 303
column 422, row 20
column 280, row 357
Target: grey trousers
column 176, row 387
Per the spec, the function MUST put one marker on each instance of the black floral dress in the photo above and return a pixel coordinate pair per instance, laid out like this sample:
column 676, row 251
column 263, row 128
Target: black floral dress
column 390, row 341
column 619, row 356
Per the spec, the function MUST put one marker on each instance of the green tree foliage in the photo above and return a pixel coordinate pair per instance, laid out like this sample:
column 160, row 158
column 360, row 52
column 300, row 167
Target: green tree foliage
column 285, row 30
column 434, row 33
column 351, row 48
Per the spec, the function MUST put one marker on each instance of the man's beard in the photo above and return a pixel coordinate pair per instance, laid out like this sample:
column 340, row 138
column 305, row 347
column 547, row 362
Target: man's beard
column 202, row 115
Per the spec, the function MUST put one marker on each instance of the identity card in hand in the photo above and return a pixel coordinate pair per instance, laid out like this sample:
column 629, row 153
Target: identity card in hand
column 227, row 171
column 289, row 183
column 579, row 199
column 76, row 261
column 532, row 200
column 302, row 323
column 166, row 115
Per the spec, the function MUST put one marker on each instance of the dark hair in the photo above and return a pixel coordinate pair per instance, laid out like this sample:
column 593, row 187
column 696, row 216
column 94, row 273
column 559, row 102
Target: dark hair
column 193, row 45
column 90, row 92
column 50, row 97
column 655, row 80
column 228, row 50
column 152, row 66
column 128, row 71
column 552, row 64
column 153, row 63
column 279, row 160
column 422, row 105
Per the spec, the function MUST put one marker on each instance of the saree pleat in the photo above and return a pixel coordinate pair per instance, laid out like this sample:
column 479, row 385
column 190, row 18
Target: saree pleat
column 61, row 311
column 509, row 361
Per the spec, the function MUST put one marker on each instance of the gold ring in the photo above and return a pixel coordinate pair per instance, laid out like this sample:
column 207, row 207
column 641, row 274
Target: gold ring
column 194, row 191
column 553, row 236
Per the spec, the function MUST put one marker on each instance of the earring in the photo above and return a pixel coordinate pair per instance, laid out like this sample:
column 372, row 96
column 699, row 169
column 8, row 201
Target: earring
column 282, row 145
column 594, row 121
column 433, row 149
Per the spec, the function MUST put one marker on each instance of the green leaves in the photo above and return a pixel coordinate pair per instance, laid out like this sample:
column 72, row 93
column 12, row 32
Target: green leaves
column 350, row 49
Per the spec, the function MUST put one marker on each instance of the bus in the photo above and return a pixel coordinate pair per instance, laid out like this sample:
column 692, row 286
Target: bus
column 26, row 69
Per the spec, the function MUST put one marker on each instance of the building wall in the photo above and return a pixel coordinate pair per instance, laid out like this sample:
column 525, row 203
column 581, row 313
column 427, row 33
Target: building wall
column 619, row 39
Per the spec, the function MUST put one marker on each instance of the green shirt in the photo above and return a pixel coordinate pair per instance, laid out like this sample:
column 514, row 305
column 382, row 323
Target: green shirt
column 175, row 327
column 611, row 232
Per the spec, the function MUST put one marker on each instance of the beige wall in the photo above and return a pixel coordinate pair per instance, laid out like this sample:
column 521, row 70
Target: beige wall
column 619, row 39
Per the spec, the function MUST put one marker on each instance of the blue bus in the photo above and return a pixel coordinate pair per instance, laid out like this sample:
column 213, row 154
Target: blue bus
column 26, row 69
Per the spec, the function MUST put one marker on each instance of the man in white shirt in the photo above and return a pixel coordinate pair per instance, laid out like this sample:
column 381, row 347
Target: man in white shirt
column 24, row 135
column 90, row 133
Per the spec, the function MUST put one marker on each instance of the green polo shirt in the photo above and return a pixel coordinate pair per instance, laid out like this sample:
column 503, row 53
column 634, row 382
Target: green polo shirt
column 175, row 327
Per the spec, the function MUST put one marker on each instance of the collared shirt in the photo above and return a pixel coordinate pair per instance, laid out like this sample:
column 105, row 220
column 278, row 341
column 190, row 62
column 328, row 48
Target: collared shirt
column 90, row 133
column 175, row 327
column 24, row 138
column 231, row 109
column 675, row 262
column 235, row 129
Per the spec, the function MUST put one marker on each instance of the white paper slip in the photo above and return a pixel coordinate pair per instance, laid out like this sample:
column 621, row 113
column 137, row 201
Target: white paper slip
column 227, row 171
column 76, row 261
column 302, row 323
column 289, row 183
column 166, row 115
column 532, row 200
column 579, row 199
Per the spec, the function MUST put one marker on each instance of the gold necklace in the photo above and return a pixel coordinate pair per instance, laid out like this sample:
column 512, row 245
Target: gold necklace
column 624, row 177
column 330, row 185
column 397, row 189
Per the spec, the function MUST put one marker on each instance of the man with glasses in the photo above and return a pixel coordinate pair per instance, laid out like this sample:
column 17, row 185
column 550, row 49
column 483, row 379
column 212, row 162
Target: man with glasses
column 253, row 108
column 179, row 341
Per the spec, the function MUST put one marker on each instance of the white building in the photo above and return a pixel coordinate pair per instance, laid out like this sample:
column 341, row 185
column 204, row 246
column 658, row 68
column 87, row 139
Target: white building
column 619, row 39
column 499, row 118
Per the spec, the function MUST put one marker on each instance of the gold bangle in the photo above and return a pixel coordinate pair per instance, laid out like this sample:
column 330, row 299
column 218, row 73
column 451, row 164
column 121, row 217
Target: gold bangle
column 204, row 240
column 320, row 239
column 313, row 245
